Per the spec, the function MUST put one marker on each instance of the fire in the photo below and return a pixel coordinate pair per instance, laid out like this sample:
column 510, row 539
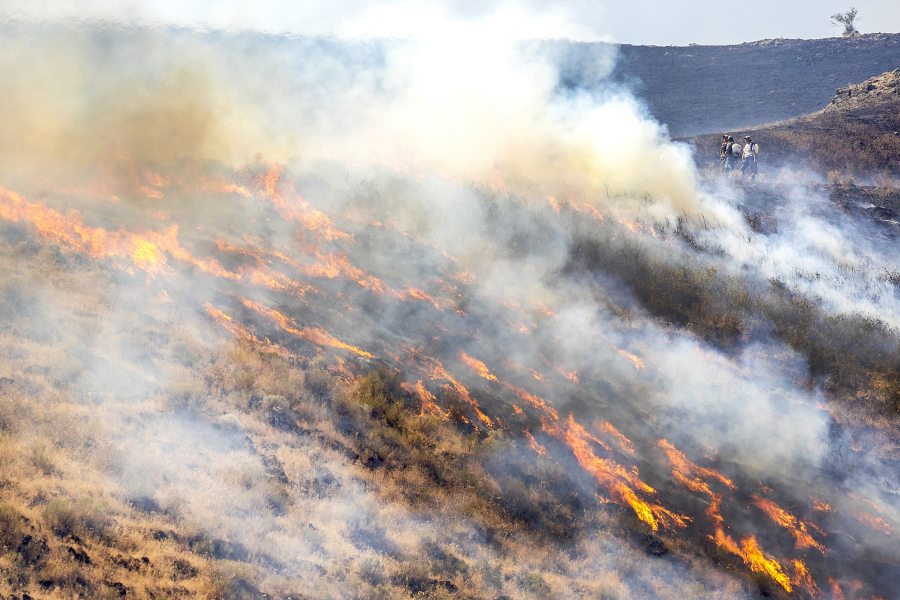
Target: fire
column 836, row 593
column 333, row 266
column 239, row 331
column 691, row 474
column 748, row 550
column 478, row 367
column 638, row 363
column 624, row 442
column 819, row 505
column 316, row 335
column 417, row 294
column 295, row 208
column 537, row 376
column 437, row 371
column 753, row 556
column 798, row 528
column 532, row 443
column 803, row 579
column 871, row 520
column 624, row 485
column 429, row 406
column 535, row 401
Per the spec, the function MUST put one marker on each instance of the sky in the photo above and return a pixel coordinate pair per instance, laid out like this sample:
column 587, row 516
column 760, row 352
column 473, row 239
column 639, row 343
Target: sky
column 657, row 22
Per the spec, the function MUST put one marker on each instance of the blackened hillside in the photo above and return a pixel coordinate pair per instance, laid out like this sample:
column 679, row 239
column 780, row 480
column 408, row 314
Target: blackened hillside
column 704, row 89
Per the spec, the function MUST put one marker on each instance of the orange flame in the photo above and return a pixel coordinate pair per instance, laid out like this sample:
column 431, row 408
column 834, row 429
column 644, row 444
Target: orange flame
column 623, row 442
column 798, row 528
column 624, row 485
column 535, row 401
column 532, row 443
column 477, row 366
column 316, row 335
column 803, row 579
column 689, row 474
column 871, row 520
column 749, row 549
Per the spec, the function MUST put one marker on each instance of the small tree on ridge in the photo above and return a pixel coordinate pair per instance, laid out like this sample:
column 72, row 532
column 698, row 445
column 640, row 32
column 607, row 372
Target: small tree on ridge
column 848, row 20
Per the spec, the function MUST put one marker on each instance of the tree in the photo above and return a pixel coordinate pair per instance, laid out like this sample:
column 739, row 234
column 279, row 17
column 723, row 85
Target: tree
column 848, row 20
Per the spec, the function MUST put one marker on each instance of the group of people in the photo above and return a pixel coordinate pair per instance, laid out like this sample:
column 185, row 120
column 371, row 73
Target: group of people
column 731, row 151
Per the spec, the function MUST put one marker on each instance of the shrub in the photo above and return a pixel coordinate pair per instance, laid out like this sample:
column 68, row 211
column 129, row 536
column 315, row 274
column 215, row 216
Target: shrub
column 186, row 396
column 11, row 527
column 371, row 569
column 40, row 460
column 82, row 518
column 534, row 583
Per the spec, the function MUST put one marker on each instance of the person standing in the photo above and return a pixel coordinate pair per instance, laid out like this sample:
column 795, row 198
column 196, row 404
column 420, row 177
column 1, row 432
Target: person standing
column 728, row 155
column 749, row 158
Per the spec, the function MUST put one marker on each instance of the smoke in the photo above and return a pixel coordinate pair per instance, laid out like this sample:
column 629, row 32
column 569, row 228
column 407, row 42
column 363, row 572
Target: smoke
column 466, row 100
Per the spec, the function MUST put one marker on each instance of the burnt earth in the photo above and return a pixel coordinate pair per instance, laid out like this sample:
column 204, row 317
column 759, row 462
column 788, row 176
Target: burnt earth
column 703, row 89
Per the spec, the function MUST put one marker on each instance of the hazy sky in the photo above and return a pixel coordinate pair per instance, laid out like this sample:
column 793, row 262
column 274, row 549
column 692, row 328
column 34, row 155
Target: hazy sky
column 659, row 22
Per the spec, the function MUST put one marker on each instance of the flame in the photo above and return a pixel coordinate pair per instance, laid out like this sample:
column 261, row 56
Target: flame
column 535, row 401
column 537, row 376
column 532, row 443
column 689, row 474
column 316, row 335
column 803, row 579
column 748, row 550
column 478, row 367
column 871, row 520
column 429, row 406
column 818, row 505
column 798, row 528
column 624, row 442
column 624, row 485
column 333, row 266
column 417, row 294
column 437, row 371
column 638, row 363
column 290, row 205
column 836, row 593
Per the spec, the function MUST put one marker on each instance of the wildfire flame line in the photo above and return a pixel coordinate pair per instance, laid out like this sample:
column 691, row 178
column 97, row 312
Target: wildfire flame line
column 798, row 528
column 316, row 335
column 624, row 486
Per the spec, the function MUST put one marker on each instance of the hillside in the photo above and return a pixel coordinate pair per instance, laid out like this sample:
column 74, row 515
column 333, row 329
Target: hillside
column 705, row 89
column 398, row 367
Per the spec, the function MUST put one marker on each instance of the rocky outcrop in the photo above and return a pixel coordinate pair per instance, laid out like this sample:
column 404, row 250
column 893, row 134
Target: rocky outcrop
column 877, row 90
